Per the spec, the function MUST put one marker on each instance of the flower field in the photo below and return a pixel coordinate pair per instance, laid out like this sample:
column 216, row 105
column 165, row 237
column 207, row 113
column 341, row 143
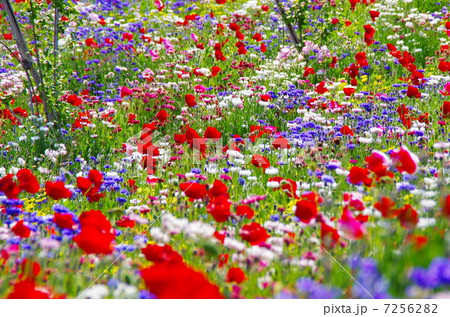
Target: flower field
column 225, row 149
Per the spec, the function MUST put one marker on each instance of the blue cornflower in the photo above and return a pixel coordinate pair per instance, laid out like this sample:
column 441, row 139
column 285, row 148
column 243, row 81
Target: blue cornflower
column 121, row 200
column 275, row 217
column 371, row 282
column 315, row 290
column 12, row 202
column 143, row 294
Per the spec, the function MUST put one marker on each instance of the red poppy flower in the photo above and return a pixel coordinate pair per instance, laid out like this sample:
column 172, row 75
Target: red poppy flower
column 26, row 289
column 320, row 88
column 328, row 235
column 93, row 241
column 361, row 58
column 418, row 241
column 223, row 259
column 263, row 47
column 289, row 186
column 243, row 210
column 386, row 207
column 157, row 253
column 179, row 138
column 162, row 115
column 215, row 70
column 242, row 50
column 190, row 100
column 193, row 190
column 235, row 275
column 446, row 109
column 378, row 163
column 176, row 280
column 308, row 71
column 91, row 185
column 349, row 91
column 313, row 196
column 219, row 208
column 218, row 189
column 127, row 37
column 96, row 219
column 57, row 190
column 27, row 181
column 405, row 161
column 9, row 187
column 368, row 36
column 260, row 161
column 446, row 206
column 305, row 210
column 444, row 66
column 74, row 100
column 95, row 197
column 346, row 130
column 91, row 43
column 234, row 27
column 408, row 217
column 352, row 71
column 254, row 233
column 212, row 133
column 374, row 15
column 281, row 143
column 358, row 176
column 29, row 269
column 20, row 112
column 219, row 55
column 219, row 236
column 131, row 183
column 353, row 4
column 191, row 134
column 413, row 92
column 257, row 37
column 64, row 221
column 125, row 222
column 124, row 91
column 21, row 230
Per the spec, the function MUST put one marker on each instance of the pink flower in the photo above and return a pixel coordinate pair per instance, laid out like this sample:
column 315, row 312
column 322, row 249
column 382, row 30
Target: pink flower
column 200, row 88
column 159, row 5
column 154, row 55
column 446, row 91
column 194, row 37
column 350, row 227
column 125, row 92
column 169, row 46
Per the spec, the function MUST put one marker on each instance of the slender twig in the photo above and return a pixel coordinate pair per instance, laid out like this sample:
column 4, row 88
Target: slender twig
column 27, row 61
column 290, row 28
column 55, row 43
column 30, row 88
column 50, row 114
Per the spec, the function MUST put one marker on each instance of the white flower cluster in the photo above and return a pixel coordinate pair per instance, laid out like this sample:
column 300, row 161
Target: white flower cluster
column 11, row 83
column 53, row 155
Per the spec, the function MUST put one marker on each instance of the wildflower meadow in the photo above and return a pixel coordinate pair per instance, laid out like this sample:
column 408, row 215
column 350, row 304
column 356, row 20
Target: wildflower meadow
column 225, row 149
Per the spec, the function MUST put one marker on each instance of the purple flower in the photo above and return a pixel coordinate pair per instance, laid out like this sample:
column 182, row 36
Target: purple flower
column 315, row 290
